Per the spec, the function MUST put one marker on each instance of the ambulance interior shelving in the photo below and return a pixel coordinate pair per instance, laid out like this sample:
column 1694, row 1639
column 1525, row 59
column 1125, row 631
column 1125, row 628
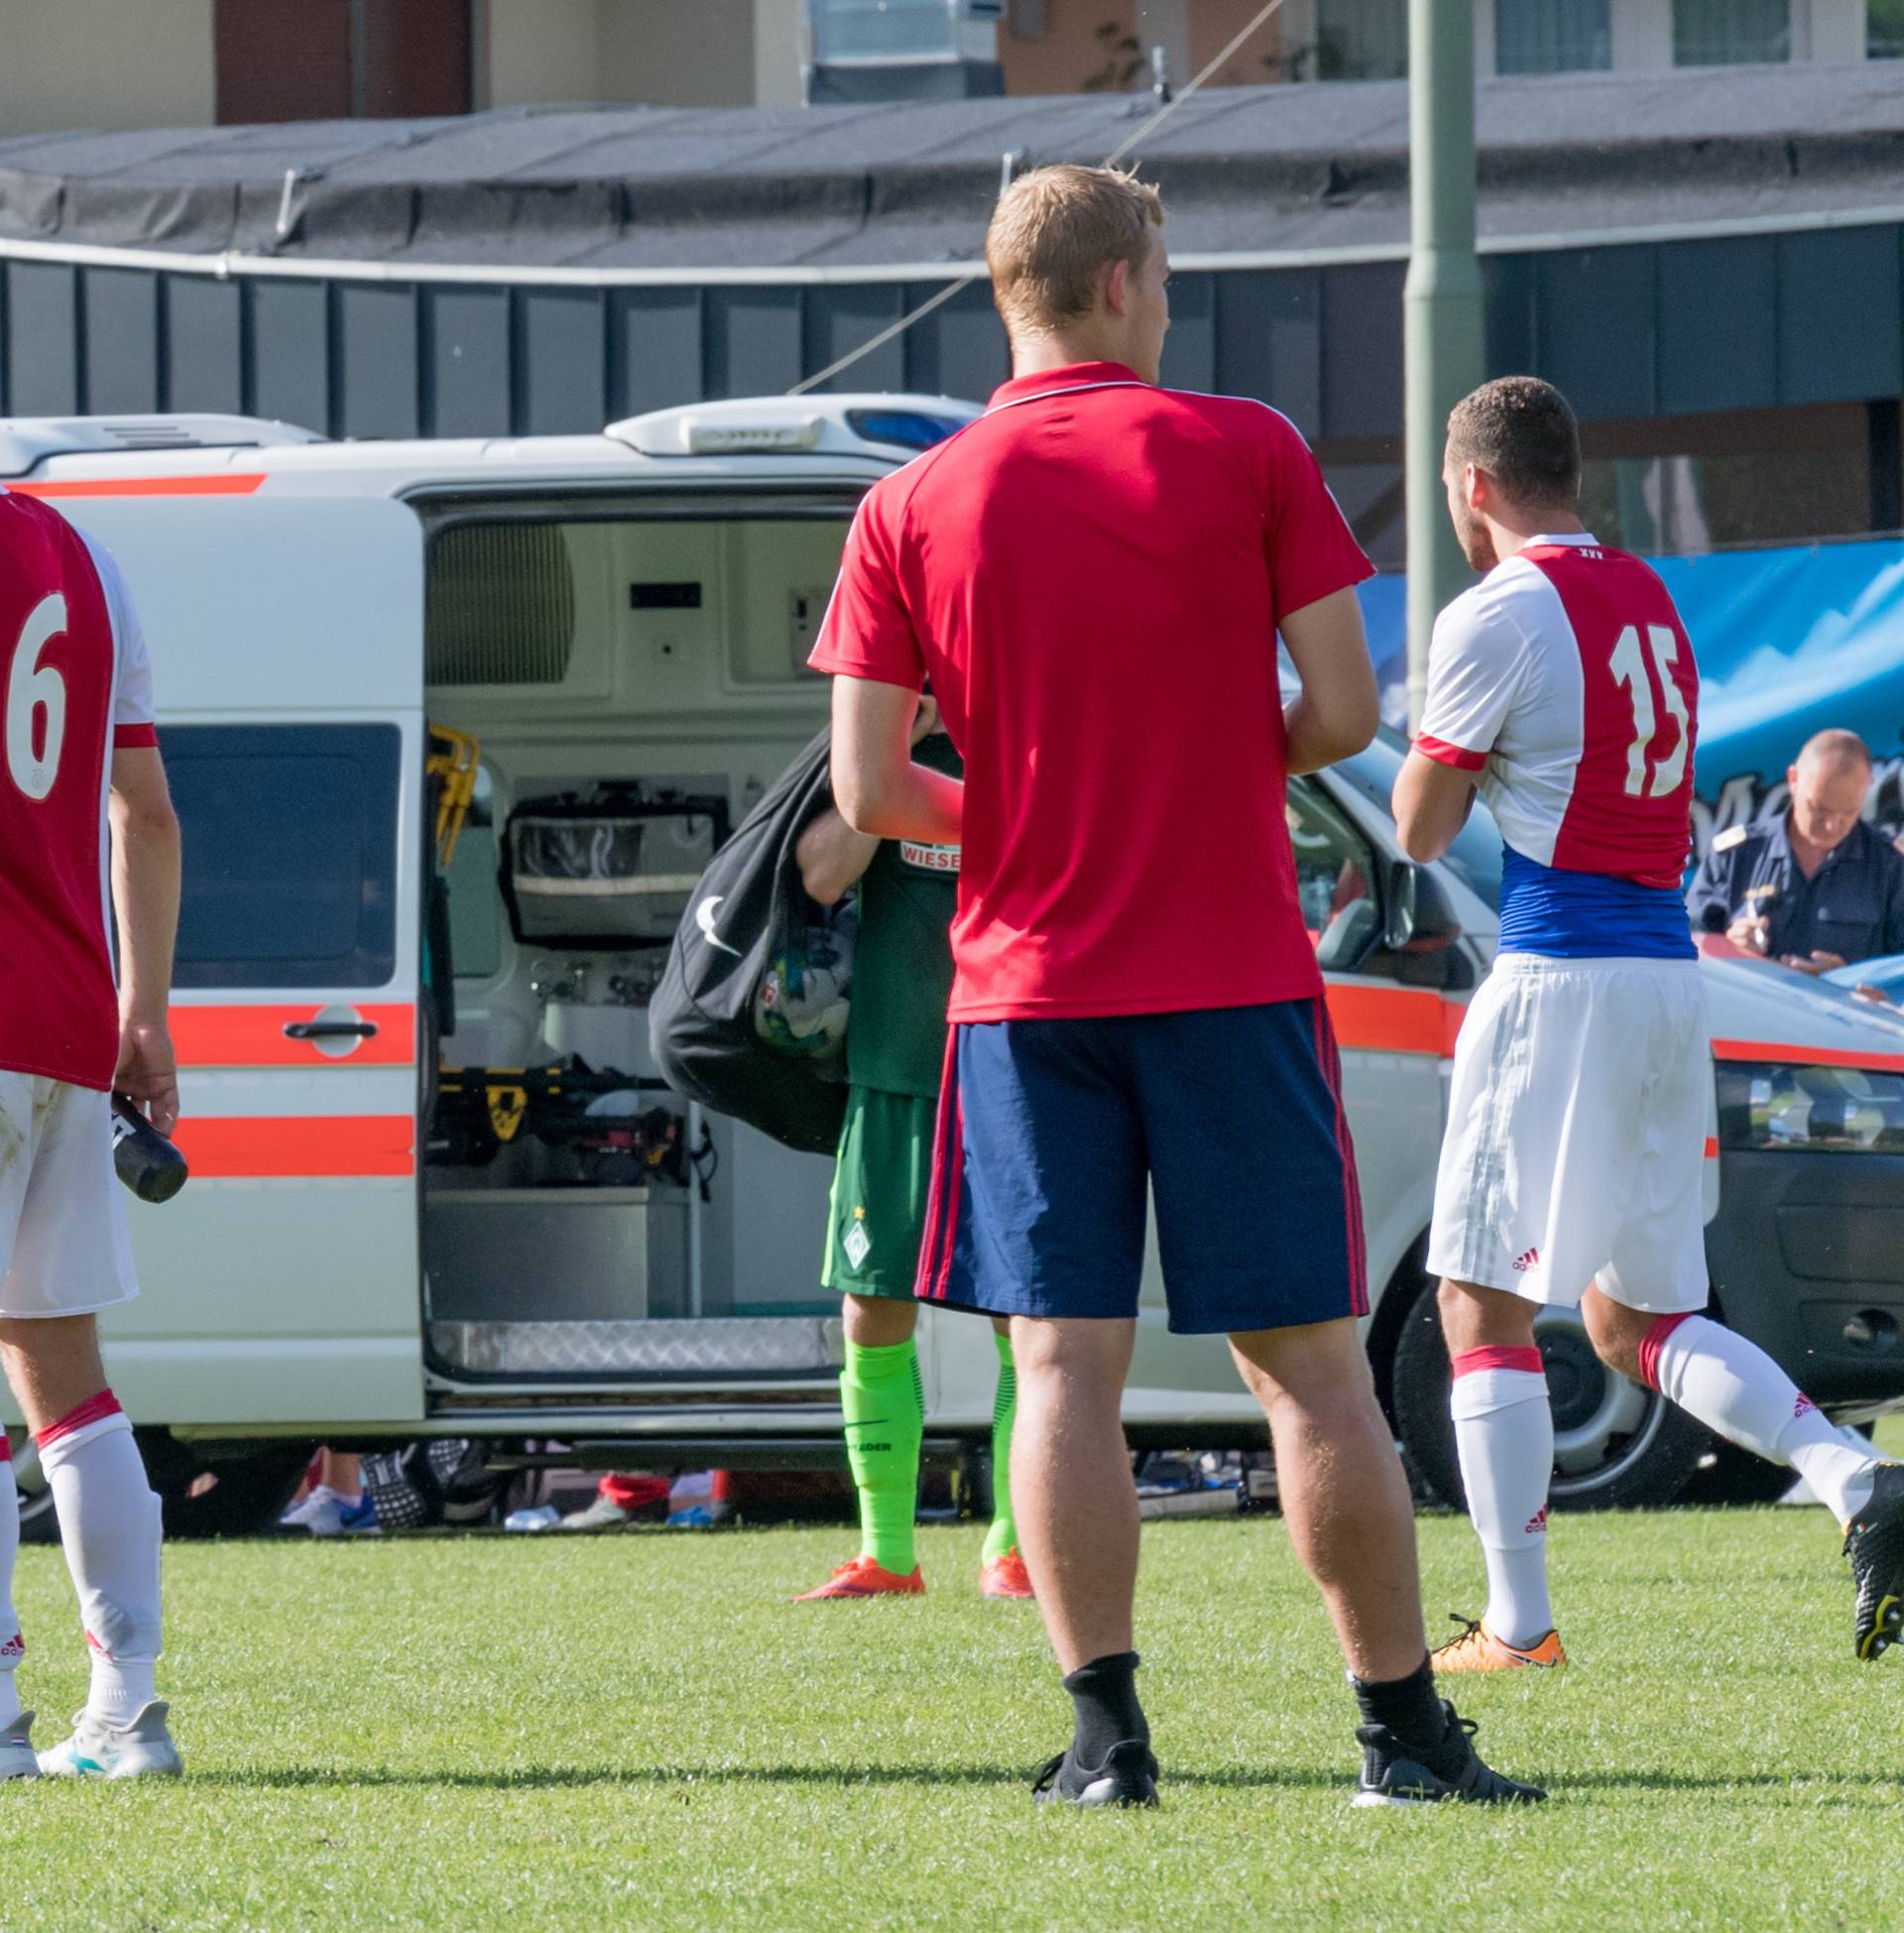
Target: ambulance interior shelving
column 610, row 688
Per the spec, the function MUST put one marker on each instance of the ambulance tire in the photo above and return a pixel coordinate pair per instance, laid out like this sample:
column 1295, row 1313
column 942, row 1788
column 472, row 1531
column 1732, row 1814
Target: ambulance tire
column 1646, row 1463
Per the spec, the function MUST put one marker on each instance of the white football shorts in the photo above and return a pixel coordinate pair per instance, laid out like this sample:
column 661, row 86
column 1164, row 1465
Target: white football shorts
column 1576, row 1142
column 63, row 1245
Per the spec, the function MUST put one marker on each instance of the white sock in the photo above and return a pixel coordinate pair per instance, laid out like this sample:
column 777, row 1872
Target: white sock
column 12, row 1649
column 1504, row 1435
column 110, row 1526
column 1732, row 1387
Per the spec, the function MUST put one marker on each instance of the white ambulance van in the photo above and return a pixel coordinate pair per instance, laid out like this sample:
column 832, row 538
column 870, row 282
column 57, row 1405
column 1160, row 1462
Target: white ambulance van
column 453, row 728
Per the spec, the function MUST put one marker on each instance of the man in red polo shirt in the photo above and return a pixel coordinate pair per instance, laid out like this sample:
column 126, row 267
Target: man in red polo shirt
column 1092, row 576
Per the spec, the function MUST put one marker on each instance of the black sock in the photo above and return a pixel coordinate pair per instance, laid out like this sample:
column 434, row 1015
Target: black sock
column 1408, row 1706
column 1105, row 1696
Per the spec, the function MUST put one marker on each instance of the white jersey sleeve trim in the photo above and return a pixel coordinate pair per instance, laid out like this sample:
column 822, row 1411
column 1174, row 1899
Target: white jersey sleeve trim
column 132, row 702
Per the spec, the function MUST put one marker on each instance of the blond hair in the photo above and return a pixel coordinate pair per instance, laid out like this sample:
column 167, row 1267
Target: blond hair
column 1054, row 232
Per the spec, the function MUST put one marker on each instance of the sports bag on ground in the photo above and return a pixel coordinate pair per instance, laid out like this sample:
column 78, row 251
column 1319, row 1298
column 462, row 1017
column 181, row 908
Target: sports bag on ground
column 750, row 1016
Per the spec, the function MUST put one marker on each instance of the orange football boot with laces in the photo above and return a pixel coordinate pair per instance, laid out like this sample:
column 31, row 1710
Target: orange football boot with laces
column 1005, row 1576
column 863, row 1578
column 1479, row 1649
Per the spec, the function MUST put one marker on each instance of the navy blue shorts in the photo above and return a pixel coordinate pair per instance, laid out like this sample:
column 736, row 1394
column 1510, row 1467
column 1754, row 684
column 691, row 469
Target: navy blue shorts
column 1049, row 1130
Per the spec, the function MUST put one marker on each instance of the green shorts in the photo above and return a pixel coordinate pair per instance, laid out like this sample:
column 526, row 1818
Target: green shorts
column 879, row 1183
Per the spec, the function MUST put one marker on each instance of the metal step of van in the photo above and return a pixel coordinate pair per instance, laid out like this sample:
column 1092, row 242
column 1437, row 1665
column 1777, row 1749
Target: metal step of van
column 747, row 1346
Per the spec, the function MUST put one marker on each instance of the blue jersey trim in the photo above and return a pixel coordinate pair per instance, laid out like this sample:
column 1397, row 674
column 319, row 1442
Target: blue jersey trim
column 1589, row 916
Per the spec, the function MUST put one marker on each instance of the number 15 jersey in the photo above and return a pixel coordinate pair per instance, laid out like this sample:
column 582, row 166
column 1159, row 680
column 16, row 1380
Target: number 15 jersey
column 75, row 686
column 1565, row 679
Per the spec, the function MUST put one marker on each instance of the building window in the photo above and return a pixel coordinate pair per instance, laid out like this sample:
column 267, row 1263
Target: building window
column 1552, row 36
column 1362, row 39
column 1884, row 30
column 340, row 60
column 1723, row 33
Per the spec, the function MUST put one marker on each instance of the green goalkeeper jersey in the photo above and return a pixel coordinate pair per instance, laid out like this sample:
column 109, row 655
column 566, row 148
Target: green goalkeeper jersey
column 902, row 956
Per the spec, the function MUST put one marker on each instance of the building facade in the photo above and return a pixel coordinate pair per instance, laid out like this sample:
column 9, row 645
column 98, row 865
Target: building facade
column 209, row 63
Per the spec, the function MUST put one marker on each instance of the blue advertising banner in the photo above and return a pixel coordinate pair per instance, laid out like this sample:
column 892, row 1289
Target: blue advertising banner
column 1789, row 642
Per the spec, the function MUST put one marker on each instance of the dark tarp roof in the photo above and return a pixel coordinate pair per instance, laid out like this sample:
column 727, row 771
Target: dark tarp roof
column 1290, row 167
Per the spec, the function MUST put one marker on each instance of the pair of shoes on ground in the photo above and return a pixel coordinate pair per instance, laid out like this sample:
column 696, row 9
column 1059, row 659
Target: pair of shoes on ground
column 1003, row 1576
column 140, row 1749
column 1395, row 1772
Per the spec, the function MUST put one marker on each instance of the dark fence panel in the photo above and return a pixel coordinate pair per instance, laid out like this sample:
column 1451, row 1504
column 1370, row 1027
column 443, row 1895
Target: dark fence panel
column 204, row 345
column 1362, row 349
column 290, row 353
column 1718, row 322
column 959, row 349
column 1840, row 314
column 655, row 352
column 561, row 355
column 467, row 381
column 44, row 339
column 1268, row 335
column 753, row 345
column 838, row 318
column 1594, row 328
column 122, row 341
column 375, row 358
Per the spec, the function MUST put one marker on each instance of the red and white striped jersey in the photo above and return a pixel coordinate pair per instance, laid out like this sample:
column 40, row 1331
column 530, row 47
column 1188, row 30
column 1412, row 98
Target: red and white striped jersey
column 1565, row 678
column 75, row 684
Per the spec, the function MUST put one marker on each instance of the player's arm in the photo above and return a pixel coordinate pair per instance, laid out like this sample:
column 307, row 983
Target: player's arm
column 833, row 857
column 1432, row 801
column 1336, row 712
column 1475, row 665
column 879, row 788
column 145, row 899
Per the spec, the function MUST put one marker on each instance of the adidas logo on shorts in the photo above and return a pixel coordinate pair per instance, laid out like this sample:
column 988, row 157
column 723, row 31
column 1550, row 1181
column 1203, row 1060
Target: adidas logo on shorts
column 1531, row 1259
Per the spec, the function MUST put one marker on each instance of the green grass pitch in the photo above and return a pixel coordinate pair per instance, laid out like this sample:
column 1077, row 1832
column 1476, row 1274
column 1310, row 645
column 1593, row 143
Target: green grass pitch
column 638, row 1732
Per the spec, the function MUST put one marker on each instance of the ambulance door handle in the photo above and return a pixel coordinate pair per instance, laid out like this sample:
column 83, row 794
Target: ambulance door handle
column 330, row 1029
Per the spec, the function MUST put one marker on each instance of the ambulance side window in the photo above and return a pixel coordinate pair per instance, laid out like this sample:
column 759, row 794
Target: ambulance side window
column 289, row 854
column 1334, row 880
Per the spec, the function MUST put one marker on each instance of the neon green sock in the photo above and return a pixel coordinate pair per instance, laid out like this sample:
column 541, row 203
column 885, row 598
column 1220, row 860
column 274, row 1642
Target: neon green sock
column 1003, row 1534
column 884, row 1402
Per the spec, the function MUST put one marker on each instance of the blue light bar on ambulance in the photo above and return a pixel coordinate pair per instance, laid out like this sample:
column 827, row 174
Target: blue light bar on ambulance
column 909, row 428
column 796, row 426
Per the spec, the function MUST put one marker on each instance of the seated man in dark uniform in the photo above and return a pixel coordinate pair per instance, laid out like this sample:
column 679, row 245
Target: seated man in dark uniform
column 1812, row 886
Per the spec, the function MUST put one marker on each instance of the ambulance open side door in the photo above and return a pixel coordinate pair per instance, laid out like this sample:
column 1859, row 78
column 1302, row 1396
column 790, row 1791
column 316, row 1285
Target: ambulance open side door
column 281, row 1286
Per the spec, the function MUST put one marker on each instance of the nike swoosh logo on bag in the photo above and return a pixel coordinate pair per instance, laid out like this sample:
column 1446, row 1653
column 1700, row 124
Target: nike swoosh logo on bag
column 704, row 919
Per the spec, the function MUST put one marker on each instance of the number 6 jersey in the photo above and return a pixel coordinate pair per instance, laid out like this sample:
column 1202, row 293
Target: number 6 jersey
column 1565, row 679
column 75, row 684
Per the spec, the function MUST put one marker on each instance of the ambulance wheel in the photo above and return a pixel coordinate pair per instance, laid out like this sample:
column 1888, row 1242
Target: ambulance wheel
column 1616, row 1446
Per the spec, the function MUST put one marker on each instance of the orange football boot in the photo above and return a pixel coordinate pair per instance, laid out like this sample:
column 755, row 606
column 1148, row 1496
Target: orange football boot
column 1479, row 1649
column 1005, row 1576
column 863, row 1578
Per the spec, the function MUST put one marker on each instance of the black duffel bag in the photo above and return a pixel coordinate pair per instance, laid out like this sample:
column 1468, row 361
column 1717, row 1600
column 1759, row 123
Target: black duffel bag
column 750, row 1016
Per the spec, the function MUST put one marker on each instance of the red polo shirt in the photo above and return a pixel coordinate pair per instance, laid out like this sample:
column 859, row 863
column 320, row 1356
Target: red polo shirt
column 1092, row 576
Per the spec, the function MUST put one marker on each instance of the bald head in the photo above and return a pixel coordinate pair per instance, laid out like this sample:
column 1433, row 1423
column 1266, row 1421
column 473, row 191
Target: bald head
column 1829, row 782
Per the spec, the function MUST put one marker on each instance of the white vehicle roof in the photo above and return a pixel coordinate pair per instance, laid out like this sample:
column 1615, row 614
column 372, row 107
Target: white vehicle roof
column 792, row 437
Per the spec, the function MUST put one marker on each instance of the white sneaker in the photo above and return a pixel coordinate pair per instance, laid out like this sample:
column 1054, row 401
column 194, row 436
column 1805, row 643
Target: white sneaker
column 139, row 1750
column 298, row 1515
column 18, row 1759
column 602, row 1514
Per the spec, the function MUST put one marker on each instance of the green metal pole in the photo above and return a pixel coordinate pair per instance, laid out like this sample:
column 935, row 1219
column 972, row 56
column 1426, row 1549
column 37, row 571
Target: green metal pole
column 1442, row 348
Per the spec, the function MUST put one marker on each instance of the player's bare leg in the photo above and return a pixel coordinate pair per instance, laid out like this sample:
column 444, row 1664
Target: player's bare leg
column 1738, row 1391
column 1069, row 1446
column 1077, row 1524
column 1345, row 1499
column 1504, row 1437
column 1346, row 1507
column 111, row 1532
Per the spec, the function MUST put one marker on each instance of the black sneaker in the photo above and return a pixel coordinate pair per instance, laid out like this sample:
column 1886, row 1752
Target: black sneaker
column 1127, row 1776
column 1393, row 1773
column 1875, row 1545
